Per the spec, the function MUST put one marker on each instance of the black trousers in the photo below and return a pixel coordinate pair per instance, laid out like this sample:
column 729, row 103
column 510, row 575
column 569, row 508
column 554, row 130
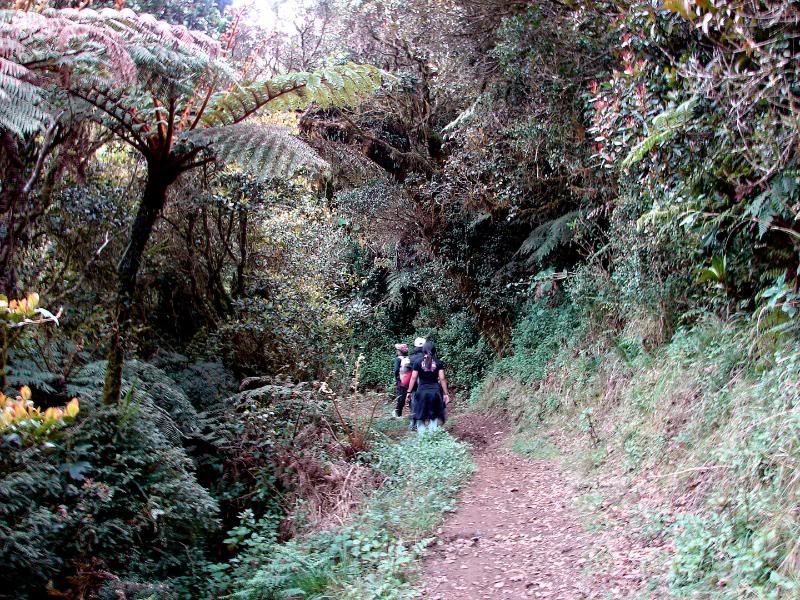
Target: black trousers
column 400, row 399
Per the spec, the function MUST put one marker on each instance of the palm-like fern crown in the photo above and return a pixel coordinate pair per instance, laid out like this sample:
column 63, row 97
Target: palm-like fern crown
column 165, row 90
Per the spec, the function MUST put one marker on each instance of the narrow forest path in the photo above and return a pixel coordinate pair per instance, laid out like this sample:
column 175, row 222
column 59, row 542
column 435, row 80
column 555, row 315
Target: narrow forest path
column 517, row 534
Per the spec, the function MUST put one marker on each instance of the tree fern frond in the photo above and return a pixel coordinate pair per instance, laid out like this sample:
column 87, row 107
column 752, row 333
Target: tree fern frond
column 133, row 27
column 264, row 150
column 66, row 38
column 396, row 283
column 548, row 236
column 349, row 163
column 82, row 49
column 341, row 85
column 72, row 47
column 26, row 372
column 21, row 102
column 111, row 45
column 467, row 115
column 165, row 55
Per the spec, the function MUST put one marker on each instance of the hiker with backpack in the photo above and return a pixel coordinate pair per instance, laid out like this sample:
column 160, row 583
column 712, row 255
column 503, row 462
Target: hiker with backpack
column 428, row 411
column 402, row 375
column 401, row 351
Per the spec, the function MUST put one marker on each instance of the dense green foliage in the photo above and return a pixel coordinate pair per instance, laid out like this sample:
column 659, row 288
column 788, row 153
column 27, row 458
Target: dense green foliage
column 116, row 487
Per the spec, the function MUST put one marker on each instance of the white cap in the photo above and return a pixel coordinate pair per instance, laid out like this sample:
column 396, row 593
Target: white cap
column 419, row 342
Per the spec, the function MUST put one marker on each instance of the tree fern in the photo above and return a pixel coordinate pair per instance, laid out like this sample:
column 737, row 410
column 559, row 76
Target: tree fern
column 548, row 236
column 182, row 109
column 397, row 282
column 774, row 202
column 21, row 371
column 149, row 389
column 150, row 81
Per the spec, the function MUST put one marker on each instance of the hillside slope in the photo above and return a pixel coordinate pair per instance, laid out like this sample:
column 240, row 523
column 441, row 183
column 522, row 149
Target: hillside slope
column 695, row 441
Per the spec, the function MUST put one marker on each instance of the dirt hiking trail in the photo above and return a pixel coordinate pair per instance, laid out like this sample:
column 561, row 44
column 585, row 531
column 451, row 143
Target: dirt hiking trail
column 516, row 533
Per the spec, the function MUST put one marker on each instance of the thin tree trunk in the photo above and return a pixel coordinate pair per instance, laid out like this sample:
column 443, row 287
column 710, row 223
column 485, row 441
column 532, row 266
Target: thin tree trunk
column 159, row 178
column 9, row 202
column 17, row 209
column 242, row 264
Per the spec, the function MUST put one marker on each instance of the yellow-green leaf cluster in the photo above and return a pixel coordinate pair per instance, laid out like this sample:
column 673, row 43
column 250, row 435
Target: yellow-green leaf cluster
column 664, row 127
column 24, row 311
column 16, row 311
column 19, row 416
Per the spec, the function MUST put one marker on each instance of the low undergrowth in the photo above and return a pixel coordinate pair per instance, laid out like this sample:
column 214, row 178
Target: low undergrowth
column 700, row 433
column 372, row 555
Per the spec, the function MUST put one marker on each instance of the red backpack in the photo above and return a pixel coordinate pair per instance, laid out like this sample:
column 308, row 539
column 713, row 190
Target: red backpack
column 405, row 372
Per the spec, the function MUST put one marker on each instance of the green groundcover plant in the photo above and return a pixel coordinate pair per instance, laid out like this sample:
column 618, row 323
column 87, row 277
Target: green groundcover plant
column 373, row 555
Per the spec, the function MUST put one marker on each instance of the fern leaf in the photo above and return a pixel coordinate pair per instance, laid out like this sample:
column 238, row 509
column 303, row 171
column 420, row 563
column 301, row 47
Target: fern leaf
column 73, row 47
column 264, row 150
column 467, row 116
column 21, row 102
column 548, row 236
column 341, row 85
column 396, row 283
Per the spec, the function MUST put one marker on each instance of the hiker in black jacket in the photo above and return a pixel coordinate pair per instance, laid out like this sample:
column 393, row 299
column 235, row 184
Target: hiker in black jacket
column 429, row 409
column 416, row 357
column 400, row 389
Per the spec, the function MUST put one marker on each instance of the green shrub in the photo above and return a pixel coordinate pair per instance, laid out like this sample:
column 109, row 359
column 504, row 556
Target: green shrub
column 374, row 338
column 540, row 333
column 116, row 490
column 372, row 556
column 141, row 489
column 203, row 382
column 744, row 544
column 643, row 273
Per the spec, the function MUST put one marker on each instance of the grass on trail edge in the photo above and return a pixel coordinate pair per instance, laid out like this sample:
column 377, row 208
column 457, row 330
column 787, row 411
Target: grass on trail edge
column 373, row 556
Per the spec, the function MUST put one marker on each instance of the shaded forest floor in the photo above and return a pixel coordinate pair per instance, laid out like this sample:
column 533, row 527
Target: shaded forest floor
column 518, row 532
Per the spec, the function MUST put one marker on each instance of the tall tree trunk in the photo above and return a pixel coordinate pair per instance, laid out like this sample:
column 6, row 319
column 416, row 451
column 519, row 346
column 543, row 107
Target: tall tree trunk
column 159, row 178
